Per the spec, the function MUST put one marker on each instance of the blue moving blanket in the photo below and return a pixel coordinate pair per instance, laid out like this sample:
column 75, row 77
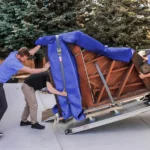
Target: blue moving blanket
column 72, row 104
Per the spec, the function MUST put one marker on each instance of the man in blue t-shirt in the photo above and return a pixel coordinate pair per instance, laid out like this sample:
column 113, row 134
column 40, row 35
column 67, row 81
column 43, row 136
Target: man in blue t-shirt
column 11, row 65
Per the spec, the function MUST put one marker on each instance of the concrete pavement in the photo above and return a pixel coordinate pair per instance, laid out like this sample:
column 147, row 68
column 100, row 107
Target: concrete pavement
column 129, row 134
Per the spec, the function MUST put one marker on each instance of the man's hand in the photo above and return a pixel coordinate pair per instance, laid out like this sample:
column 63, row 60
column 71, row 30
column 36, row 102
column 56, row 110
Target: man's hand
column 46, row 66
column 142, row 76
column 145, row 59
column 64, row 93
column 34, row 50
column 52, row 90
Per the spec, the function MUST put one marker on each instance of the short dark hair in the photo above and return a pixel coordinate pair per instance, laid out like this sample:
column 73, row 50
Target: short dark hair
column 24, row 51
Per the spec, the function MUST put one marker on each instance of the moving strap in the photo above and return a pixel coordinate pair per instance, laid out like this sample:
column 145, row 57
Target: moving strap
column 59, row 52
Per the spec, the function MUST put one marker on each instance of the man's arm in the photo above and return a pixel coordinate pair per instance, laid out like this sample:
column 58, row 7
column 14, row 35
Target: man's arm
column 142, row 76
column 51, row 89
column 35, row 71
column 34, row 50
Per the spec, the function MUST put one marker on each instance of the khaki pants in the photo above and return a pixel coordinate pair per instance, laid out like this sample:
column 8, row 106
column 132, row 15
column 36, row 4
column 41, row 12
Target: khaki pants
column 31, row 104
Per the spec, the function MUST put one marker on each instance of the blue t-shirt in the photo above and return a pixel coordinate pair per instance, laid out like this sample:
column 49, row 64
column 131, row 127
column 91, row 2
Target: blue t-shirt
column 9, row 67
column 148, row 59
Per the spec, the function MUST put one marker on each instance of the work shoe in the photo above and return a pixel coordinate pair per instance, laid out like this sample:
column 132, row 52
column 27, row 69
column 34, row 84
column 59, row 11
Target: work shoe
column 1, row 134
column 22, row 123
column 37, row 126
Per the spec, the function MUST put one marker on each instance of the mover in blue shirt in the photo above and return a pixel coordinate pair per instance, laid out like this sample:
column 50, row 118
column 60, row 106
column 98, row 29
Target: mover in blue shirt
column 11, row 65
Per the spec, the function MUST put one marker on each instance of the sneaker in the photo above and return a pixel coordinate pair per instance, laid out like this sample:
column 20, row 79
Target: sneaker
column 37, row 126
column 1, row 134
column 22, row 123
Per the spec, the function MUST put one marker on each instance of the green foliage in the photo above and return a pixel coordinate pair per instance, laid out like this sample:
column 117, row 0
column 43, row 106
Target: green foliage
column 120, row 22
column 113, row 22
column 23, row 21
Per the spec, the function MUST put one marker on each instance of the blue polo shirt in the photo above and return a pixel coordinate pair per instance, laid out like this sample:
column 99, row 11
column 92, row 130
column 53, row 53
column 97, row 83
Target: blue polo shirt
column 9, row 67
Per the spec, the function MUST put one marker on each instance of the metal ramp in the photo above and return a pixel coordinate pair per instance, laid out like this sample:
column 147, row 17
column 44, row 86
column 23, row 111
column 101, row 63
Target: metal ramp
column 128, row 110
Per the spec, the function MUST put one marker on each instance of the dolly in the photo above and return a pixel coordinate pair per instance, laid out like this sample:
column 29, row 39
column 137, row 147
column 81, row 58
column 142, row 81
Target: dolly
column 116, row 111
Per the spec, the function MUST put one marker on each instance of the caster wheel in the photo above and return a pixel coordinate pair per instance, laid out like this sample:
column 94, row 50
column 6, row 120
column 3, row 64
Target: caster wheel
column 91, row 120
column 117, row 113
column 68, row 131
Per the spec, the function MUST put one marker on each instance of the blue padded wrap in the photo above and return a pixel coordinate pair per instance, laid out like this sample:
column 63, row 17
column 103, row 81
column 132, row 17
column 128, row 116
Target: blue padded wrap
column 72, row 105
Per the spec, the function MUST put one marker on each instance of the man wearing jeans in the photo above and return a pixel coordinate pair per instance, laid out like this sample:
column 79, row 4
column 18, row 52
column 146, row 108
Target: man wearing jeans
column 30, row 85
column 11, row 65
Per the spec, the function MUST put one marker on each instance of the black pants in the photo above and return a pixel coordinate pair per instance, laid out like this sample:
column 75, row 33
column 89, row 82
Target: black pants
column 3, row 102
